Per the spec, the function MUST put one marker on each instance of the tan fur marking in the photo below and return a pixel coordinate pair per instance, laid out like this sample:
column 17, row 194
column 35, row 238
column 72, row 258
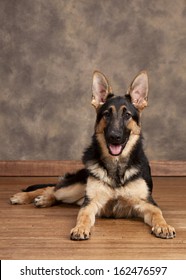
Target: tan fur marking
column 85, row 220
column 153, row 216
column 71, row 193
column 132, row 125
column 121, row 109
column 118, row 208
column 100, row 173
column 130, row 195
column 100, row 126
column 130, row 172
column 130, row 144
column 114, row 111
column 101, row 139
column 21, row 198
column 80, row 201
column 46, row 199
column 98, row 192
column 136, row 190
column 28, row 197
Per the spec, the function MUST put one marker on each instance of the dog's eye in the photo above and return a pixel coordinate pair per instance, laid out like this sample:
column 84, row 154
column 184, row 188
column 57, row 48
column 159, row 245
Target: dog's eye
column 106, row 114
column 127, row 115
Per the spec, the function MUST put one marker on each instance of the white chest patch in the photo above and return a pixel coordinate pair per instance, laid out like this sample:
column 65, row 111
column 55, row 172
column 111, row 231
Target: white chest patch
column 135, row 190
column 100, row 193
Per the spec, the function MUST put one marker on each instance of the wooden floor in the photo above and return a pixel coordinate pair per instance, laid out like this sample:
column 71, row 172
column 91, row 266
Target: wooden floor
column 30, row 233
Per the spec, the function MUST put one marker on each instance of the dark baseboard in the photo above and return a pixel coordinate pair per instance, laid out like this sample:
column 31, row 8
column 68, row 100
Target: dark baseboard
column 58, row 168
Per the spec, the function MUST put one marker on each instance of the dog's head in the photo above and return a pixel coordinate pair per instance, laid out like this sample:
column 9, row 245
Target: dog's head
column 118, row 117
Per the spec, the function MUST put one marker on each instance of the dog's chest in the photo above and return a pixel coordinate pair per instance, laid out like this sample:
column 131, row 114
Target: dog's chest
column 115, row 174
column 126, row 201
column 117, row 202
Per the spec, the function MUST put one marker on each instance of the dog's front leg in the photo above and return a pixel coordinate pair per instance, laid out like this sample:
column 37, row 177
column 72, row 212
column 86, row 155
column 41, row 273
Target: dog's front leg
column 153, row 216
column 85, row 220
column 97, row 196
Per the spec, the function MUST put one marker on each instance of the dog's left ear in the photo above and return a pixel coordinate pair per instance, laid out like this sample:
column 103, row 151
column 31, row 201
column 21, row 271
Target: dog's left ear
column 138, row 91
column 100, row 89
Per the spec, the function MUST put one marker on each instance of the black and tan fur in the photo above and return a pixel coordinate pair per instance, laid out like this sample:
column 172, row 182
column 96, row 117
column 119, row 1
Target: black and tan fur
column 116, row 181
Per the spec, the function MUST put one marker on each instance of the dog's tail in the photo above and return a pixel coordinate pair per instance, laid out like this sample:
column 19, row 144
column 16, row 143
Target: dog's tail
column 68, row 179
column 79, row 176
column 37, row 186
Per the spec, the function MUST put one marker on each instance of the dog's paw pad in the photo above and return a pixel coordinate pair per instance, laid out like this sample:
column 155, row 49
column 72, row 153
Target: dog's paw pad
column 19, row 198
column 164, row 231
column 43, row 201
column 39, row 201
column 79, row 233
column 14, row 200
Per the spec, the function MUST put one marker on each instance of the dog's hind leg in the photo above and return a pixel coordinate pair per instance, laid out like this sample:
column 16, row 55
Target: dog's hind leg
column 47, row 197
column 71, row 194
column 30, row 194
column 71, row 189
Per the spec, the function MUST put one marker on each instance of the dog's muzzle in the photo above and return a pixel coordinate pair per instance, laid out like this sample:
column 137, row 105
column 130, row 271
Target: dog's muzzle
column 116, row 149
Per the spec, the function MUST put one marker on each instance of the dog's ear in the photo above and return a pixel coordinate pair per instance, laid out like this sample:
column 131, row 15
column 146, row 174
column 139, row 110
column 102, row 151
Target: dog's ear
column 138, row 91
column 100, row 89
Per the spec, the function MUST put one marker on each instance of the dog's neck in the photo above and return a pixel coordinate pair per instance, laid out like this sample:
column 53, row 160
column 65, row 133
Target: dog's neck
column 114, row 170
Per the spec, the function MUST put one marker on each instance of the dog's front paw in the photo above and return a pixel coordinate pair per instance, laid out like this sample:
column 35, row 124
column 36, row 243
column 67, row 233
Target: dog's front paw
column 80, row 233
column 164, row 231
column 20, row 198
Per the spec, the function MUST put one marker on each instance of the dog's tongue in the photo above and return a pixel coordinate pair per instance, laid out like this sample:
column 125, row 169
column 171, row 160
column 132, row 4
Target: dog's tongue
column 115, row 149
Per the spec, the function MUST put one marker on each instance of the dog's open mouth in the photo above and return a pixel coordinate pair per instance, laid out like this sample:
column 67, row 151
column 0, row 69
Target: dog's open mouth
column 116, row 149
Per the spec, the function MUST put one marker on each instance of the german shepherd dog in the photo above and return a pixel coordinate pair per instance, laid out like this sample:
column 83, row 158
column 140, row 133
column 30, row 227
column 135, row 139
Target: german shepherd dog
column 116, row 181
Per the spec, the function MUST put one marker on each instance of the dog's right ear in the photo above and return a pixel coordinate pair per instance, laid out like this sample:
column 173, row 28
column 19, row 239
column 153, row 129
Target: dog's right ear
column 138, row 91
column 100, row 89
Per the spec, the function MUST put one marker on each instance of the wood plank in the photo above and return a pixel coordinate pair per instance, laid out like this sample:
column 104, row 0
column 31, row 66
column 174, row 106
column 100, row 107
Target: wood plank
column 30, row 233
column 38, row 168
column 58, row 168
column 168, row 168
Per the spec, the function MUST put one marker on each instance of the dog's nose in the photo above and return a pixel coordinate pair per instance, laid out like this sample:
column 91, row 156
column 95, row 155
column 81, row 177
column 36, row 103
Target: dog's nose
column 115, row 137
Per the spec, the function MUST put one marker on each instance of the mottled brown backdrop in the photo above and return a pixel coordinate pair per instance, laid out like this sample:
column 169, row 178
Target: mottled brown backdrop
column 48, row 51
